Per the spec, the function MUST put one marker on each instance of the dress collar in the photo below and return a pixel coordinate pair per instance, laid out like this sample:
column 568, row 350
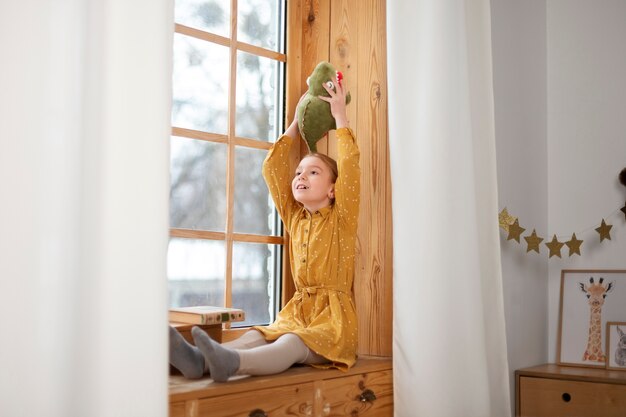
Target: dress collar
column 323, row 212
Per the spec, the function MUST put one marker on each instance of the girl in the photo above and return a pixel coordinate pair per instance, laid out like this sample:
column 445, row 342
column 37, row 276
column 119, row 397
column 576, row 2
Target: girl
column 318, row 326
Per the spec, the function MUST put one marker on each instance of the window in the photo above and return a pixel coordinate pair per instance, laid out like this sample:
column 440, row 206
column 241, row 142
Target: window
column 228, row 88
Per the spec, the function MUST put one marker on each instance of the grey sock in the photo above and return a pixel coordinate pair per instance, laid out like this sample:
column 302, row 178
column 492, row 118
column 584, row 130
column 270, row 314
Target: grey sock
column 223, row 362
column 185, row 357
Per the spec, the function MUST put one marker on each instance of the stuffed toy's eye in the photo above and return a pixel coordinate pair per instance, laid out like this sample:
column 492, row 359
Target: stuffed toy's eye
column 330, row 85
column 307, row 80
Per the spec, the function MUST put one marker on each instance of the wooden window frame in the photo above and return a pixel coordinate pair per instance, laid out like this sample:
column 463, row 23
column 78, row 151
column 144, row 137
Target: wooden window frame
column 229, row 236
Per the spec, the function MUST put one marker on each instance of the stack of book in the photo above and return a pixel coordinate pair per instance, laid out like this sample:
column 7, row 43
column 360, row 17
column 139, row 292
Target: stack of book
column 206, row 315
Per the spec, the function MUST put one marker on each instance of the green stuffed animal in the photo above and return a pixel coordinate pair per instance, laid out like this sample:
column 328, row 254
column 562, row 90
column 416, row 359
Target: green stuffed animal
column 314, row 116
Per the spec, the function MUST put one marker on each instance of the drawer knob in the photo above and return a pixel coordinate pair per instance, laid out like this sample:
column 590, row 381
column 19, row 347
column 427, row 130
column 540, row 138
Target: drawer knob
column 367, row 396
column 257, row 413
column 566, row 397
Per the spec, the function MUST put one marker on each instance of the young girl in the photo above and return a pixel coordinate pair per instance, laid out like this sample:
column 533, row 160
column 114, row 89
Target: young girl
column 318, row 326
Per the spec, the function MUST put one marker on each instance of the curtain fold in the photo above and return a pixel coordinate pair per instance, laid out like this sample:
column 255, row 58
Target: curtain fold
column 84, row 168
column 449, row 332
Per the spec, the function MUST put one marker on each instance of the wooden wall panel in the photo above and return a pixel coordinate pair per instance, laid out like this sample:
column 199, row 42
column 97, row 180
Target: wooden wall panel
column 316, row 40
column 292, row 95
column 351, row 34
column 343, row 54
column 373, row 286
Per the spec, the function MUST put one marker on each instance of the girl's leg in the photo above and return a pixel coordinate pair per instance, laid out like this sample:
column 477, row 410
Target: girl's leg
column 222, row 362
column 268, row 359
column 273, row 358
column 250, row 339
column 313, row 358
column 185, row 357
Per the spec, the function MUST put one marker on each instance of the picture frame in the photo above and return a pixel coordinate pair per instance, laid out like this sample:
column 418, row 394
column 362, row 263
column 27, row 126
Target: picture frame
column 616, row 345
column 589, row 299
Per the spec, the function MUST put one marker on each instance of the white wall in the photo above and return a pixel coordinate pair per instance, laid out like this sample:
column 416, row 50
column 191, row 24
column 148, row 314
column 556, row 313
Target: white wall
column 560, row 104
column 586, row 135
column 519, row 60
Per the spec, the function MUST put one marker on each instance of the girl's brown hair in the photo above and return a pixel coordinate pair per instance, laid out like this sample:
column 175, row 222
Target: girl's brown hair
column 328, row 161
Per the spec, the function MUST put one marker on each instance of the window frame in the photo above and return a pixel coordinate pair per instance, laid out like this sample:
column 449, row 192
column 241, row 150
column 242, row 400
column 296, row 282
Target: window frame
column 231, row 140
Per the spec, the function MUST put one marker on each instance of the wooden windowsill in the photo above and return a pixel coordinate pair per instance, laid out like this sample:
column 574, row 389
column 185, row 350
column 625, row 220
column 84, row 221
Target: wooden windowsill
column 181, row 389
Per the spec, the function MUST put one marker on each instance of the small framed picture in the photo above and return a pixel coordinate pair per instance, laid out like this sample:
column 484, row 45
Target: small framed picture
column 616, row 345
column 589, row 300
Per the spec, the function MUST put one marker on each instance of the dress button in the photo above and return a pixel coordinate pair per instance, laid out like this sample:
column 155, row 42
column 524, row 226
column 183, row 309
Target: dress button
column 306, row 230
column 303, row 260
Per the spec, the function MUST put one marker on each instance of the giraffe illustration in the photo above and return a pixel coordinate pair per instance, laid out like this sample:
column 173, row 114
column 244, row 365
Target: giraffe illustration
column 596, row 293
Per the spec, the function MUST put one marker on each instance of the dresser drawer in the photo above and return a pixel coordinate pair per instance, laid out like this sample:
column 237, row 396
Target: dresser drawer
column 177, row 409
column 365, row 395
column 295, row 400
column 545, row 397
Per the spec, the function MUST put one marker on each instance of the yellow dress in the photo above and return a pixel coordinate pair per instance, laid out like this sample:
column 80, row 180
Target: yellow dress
column 322, row 250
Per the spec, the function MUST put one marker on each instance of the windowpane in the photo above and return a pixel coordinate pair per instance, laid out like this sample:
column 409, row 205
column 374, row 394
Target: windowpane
column 200, row 181
column 198, row 184
column 210, row 15
column 259, row 23
column 254, row 209
column 200, row 85
column 253, row 265
column 257, row 97
column 196, row 270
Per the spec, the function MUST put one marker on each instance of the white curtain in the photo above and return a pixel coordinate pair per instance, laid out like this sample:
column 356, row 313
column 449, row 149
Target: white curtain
column 84, row 122
column 449, row 331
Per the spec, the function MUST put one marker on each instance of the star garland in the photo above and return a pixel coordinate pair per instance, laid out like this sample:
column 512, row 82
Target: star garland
column 514, row 230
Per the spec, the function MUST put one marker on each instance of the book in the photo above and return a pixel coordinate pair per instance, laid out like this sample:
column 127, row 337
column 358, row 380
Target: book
column 206, row 315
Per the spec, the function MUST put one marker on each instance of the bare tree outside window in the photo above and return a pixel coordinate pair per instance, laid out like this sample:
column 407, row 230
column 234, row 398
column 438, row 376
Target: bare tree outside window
column 226, row 239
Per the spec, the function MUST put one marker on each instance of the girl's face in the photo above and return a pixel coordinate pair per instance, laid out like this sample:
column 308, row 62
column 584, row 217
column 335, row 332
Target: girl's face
column 312, row 185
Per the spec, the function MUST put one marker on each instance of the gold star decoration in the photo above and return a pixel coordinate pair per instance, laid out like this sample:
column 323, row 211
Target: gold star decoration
column 624, row 210
column 533, row 241
column 574, row 245
column 515, row 231
column 604, row 230
column 555, row 247
column 505, row 219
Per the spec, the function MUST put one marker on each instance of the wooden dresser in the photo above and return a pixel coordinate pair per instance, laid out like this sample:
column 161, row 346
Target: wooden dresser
column 554, row 391
column 366, row 390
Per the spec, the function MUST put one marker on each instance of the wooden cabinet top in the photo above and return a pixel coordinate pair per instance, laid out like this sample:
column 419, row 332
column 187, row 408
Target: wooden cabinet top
column 572, row 373
column 183, row 389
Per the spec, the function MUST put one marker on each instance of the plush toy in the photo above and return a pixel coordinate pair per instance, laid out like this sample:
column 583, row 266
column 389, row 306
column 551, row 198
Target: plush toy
column 314, row 116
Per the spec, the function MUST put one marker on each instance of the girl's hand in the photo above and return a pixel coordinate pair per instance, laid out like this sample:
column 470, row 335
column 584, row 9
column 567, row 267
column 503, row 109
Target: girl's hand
column 337, row 101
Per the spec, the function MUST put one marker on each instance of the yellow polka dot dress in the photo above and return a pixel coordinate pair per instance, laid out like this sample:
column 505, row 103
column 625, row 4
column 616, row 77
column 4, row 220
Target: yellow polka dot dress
column 322, row 249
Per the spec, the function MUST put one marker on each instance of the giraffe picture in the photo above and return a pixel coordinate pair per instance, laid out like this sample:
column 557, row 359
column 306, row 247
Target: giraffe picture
column 589, row 299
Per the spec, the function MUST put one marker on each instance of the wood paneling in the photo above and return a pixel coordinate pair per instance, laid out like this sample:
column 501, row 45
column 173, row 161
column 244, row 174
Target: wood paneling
column 294, row 77
column 343, row 49
column 351, row 34
column 374, row 283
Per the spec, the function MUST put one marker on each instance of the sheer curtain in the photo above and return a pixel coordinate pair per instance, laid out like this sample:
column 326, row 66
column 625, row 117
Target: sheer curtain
column 84, row 116
column 449, row 331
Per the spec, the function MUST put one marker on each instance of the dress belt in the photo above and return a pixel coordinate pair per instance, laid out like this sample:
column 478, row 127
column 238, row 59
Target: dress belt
column 313, row 290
